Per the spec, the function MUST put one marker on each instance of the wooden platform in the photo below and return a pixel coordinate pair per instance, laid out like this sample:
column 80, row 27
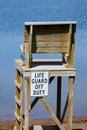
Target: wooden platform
column 53, row 66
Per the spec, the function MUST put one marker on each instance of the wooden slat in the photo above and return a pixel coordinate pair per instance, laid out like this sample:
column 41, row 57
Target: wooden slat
column 52, row 114
column 51, row 37
column 17, row 92
column 60, row 49
column 17, row 101
column 49, row 44
column 18, row 85
column 17, row 117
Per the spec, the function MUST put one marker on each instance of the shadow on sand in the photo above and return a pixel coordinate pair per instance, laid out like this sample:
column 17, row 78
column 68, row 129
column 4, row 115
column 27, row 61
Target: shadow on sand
column 48, row 127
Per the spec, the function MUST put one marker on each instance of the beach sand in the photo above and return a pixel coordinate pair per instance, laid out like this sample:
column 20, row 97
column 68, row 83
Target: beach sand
column 79, row 123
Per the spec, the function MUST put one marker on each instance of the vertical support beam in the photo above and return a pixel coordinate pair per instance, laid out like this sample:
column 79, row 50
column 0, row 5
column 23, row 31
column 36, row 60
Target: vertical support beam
column 70, row 102
column 21, row 91
column 58, row 103
column 72, row 30
column 28, row 46
column 27, row 96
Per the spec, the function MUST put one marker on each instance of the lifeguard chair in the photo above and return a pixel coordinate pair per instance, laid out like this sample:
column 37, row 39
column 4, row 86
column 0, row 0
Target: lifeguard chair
column 45, row 37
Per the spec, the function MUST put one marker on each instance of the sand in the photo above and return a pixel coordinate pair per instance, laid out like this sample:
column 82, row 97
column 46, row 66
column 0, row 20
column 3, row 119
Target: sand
column 79, row 123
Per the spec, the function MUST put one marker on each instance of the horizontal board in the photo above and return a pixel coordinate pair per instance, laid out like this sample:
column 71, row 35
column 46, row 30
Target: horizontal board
column 50, row 37
column 49, row 44
column 51, row 29
column 50, row 49
column 50, row 23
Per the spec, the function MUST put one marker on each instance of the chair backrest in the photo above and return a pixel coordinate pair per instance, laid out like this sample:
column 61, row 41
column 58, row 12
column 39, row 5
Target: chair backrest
column 49, row 37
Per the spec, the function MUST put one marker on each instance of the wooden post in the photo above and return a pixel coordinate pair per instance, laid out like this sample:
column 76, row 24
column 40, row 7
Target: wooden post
column 21, row 121
column 70, row 102
column 28, row 46
column 27, row 92
column 72, row 31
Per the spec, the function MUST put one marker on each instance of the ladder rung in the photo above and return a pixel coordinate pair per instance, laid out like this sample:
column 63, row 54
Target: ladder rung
column 17, row 84
column 17, row 101
column 15, row 128
column 17, row 117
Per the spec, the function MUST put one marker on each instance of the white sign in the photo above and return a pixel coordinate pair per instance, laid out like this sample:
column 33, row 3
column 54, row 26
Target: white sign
column 39, row 83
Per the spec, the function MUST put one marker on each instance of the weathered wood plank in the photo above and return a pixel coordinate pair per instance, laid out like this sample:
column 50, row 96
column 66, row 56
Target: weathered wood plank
column 51, row 37
column 17, row 101
column 17, row 117
column 50, row 23
column 51, row 49
column 27, row 97
column 70, row 102
column 50, row 44
column 18, row 85
column 72, row 46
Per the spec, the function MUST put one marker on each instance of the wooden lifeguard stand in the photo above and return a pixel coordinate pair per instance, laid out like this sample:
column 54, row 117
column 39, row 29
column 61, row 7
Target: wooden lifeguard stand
column 45, row 37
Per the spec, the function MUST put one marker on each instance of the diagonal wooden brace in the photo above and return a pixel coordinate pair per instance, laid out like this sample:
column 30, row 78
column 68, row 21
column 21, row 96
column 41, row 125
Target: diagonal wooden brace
column 52, row 114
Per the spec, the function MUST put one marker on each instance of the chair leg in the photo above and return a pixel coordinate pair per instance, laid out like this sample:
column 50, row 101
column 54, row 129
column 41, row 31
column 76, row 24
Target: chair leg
column 70, row 102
